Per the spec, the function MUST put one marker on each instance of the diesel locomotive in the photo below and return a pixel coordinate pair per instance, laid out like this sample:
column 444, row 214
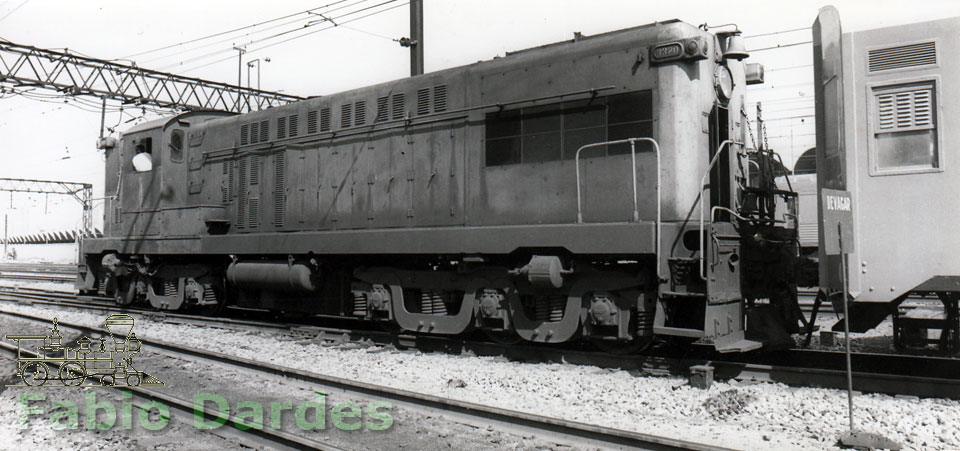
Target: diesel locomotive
column 593, row 189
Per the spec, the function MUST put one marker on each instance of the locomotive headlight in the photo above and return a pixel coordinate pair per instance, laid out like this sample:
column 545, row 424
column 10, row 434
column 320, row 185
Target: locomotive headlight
column 723, row 82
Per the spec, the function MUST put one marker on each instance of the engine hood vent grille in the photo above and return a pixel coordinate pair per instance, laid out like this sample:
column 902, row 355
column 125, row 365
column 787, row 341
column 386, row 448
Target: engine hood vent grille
column 902, row 56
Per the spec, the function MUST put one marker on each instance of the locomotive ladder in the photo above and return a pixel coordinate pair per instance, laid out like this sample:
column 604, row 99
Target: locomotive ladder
column 633, row 171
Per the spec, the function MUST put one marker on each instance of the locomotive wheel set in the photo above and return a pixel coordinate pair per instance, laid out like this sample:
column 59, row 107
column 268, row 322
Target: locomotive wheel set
column 595, row 189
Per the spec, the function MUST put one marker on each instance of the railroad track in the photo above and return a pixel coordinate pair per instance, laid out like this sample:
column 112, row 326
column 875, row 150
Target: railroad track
column 897, row 374
column 560, row 431
column 38, row 272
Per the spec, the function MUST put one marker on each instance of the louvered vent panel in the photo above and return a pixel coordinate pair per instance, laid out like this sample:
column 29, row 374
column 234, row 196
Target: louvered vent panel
column 224, row 188
column 279, row 189
column 254, row 212
column 254, row 133
column 902, row 56
column 360, row 112
column 244, row 130
column 116, row 215
column 906, row 109
column 399, row 103
column 264, row 131
column 382, row 113
column 281, row 127
column 231, row 187
column 423, row 101
column 293, row 123
column 439, row 98
column 346, row 111
column 325, row 120
column 311, row 122
column 242, row 191
column 254, row 169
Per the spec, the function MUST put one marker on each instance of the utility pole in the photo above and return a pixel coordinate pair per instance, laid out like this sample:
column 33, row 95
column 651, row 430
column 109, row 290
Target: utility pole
column 4, row 236
column 416, row 37
column 241, row 50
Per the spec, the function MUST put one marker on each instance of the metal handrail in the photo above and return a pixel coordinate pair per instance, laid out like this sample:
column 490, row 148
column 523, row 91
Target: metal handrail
column 703, row 182
column 633, row 160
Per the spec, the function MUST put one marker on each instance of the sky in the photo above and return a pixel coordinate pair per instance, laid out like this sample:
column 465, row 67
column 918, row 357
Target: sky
column 54, row 139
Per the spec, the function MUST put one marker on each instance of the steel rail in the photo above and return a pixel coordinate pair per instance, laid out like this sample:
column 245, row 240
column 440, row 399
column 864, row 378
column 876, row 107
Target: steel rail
column 563, row 430
column 188, row 410
column 879, row 373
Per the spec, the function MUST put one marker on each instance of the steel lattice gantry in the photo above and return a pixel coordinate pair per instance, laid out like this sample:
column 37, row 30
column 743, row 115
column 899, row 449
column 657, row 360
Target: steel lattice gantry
column 82, row 192
column 23, row 65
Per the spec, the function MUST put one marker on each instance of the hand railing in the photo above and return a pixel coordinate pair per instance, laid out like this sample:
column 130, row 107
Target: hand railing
column 633, row 171
column 703, row 184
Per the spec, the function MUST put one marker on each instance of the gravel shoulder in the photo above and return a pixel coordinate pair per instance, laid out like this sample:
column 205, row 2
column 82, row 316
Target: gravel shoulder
column 742, row 416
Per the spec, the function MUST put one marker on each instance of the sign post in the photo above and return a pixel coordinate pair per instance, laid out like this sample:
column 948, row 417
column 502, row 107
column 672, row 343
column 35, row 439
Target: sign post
column 837, row 226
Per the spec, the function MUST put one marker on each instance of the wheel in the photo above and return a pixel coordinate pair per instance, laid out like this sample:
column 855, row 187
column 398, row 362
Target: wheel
column 34, row 374
column 107, row 381
column 133, row 379
column 624, row 347
column 73, row 374
column 126, row 291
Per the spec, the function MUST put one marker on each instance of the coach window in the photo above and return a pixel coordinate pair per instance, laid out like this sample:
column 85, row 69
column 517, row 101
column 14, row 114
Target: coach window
column 176, row 146
column 905, row 128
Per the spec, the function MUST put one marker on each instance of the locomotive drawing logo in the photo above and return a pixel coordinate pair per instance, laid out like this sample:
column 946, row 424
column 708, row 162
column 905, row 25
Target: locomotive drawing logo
column 43, row 360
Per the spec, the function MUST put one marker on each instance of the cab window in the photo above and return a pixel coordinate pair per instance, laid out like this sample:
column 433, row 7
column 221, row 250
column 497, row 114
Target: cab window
column 176, row 146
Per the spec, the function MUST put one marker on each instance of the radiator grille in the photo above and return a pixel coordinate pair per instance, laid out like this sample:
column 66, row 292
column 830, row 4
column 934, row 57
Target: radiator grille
column 311, row 122
column 399, row 103
column 264, row 131
column 360, row 112
column 325, row 120
column 439, row 98
column 254, row 212
column 346, row 111
column 279, row 189
column 281, row 127
column 244, row 134
column 902, row 56
column 382, row 104
column 254, row 169
column 423, row 101
column 242, row 198
column 293, row 123
column 254, row 133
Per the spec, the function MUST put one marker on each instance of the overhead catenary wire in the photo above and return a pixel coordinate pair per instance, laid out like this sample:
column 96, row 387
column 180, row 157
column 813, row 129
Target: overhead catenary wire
column 181, row 52
column 301, row 36
column 202, row 38
column 284, row 33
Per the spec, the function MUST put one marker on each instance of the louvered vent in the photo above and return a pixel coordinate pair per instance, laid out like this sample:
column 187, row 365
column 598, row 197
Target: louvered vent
column 399, row 103
column 311, row 122
column 423, row 101
column 905, row 109
column 439, row 98
column 293, row 122
column 116, row 215
column 242, row 198
column 224, row 188
column 382, row 113
column 244, row 137
column 230, row 185
column 254, row 133
column 254, row 220
column 279, row 189
column 360, row 112
column 281, row 127
column 264, row 131
column 346, row 111
column 254, row 169
column 325, row 120
column 902, row 56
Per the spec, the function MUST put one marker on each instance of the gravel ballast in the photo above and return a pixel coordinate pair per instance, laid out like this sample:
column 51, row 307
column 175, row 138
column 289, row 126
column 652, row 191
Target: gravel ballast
column 743, row 416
